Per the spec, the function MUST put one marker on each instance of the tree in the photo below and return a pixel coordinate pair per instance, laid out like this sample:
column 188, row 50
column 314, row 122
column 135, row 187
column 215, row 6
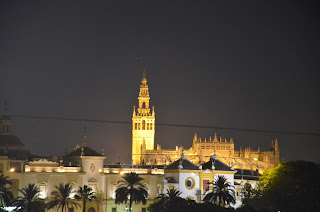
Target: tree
column 222, row 193
column 291, row 186
column 171, row 201
column 131, row 187
column 85, row 194
column 61, row 198
column 247, row 193
column 6, row 195
column 29, row 201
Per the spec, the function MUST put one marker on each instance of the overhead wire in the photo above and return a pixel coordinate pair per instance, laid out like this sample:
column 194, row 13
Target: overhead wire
column 172, row 125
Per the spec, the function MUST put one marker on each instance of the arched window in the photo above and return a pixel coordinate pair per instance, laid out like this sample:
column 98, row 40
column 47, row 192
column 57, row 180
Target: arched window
column 135, row 126
column 143, row 124
column 150, row 126
column 43, row 190
column 143, row 105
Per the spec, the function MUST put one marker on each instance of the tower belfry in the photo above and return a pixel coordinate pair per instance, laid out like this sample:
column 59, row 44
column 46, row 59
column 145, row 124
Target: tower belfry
column 143, row 121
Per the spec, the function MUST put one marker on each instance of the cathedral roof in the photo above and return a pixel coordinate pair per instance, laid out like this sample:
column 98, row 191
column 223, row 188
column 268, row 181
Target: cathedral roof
column 247, row 174
column 86, row 152
column 10, row 140
column 186, row 164
column 218, row 165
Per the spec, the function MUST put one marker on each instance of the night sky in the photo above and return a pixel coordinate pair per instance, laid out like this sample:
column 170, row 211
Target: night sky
column 242, row 64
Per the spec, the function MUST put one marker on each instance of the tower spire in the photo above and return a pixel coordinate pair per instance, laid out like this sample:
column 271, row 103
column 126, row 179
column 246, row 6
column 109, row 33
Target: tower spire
column 144, row 72
column 84, row 142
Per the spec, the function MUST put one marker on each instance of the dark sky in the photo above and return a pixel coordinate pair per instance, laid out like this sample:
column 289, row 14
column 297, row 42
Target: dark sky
column 242, row 64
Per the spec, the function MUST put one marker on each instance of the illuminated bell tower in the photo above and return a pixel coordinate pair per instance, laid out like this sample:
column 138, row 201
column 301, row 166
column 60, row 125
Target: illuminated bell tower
column 143, row 123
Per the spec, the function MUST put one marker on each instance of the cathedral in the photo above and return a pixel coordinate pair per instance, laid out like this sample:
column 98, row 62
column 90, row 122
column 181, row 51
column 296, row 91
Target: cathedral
column 144, row 153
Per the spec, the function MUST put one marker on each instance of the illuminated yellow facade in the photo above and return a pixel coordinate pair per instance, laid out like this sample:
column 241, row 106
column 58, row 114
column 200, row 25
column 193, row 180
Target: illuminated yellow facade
column 144, row 153
column 143, row 122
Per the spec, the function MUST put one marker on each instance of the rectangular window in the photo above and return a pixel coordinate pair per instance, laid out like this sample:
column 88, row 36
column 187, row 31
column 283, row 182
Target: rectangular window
column 205, row 185
column 42, row 188
column 15, row 167
column 114, row 209
column 143, row 124
column 144, row 210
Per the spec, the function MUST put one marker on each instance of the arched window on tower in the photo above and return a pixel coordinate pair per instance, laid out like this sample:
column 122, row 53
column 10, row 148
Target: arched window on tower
column 150, row 126
column 135, row 126
column 143, row 124
column 143, row 105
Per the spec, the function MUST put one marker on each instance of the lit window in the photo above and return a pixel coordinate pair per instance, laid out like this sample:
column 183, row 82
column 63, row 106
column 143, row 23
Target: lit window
column 43, row 192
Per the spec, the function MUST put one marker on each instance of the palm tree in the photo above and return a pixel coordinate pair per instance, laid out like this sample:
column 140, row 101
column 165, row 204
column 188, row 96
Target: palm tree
column 29, row 201
column 4, row 180
column 61, row 198
column 222, row 193
column 172, row 193
column 6, row 195
column 171, row 201
column 132, row 188
column 85, row 194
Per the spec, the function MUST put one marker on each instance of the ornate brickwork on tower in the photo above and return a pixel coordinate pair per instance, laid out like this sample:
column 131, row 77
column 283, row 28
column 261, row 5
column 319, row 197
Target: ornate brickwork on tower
column 143, row 122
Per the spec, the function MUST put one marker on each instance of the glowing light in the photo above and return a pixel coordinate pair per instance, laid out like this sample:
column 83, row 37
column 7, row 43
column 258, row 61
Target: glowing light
column 255, row 159
column 12, row 170
column 100, row 170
